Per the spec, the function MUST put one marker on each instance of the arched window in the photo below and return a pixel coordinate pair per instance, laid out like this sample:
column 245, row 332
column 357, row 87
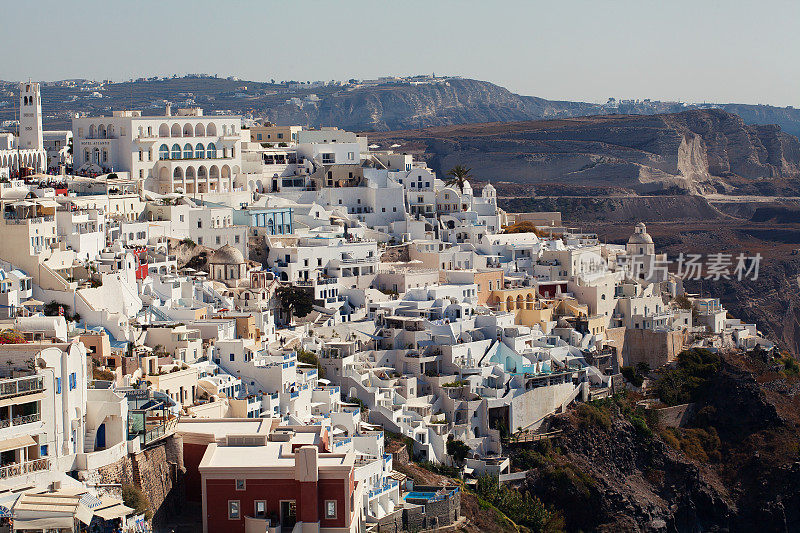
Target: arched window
column 163, row 152
column 199, row 130
column 176, row 130
column 187, row 130
column 200, row 151
column 176, row 151
column 187, row 151
column 211, row 152
column 163, row 130
column 211, row 130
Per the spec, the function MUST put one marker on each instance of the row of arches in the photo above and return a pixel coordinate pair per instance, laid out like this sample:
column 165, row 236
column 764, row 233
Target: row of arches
column 14, row 161
column 201, row 178
column 199, row 151
column 521, row 302
column 198, row 130
column 102, row 131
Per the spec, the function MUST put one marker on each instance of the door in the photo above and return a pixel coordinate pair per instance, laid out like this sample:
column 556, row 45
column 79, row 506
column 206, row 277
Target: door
column 100, row 440
column 288, row 514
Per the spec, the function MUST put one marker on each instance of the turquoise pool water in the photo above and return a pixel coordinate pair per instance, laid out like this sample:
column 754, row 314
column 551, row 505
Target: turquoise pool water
column 414, row 495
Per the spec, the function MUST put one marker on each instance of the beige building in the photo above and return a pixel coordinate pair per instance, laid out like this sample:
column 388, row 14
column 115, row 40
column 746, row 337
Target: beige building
column 270, row 133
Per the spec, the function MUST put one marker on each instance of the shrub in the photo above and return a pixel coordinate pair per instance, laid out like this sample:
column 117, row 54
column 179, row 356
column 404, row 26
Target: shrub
column 688, row 381
column 133, row 497
column 522, row 507
column 702, row 444
column 632, row 376
column 310, row 358
column 590, row 414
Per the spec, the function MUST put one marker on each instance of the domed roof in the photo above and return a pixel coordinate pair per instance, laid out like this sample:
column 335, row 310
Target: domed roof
column 227, row 255
column 640, row 235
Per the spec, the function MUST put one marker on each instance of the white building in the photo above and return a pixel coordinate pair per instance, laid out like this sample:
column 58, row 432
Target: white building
column 187, row 151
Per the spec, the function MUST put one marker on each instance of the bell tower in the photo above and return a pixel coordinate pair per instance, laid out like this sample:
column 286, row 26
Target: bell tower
column 30, row 117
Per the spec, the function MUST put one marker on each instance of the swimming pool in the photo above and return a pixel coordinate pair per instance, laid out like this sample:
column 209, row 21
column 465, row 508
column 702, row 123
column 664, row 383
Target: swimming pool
column 415, row 495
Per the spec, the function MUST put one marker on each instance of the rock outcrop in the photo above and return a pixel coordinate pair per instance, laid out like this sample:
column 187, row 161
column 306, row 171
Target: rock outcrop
column 621, row 476
column 699, row 151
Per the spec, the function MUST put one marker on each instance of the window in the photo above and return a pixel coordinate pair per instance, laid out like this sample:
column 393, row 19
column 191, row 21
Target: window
column 43, row 451
column 176, row 151
column 199, row 151
column 232, row 357
column 73, row 381
column 330, row 508
column 260, row 510
column 233, row 510
column 240, row 484
column 236, row 239
column 58, row 385
column 163, row 152
column 211, row 151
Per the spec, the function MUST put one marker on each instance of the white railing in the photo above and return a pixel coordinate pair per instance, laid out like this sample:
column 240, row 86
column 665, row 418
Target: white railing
column 27, row 419
column 18, row 469
column 23, row 385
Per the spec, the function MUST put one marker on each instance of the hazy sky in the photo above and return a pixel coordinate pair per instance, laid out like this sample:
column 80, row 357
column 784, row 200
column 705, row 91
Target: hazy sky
column 720, row 51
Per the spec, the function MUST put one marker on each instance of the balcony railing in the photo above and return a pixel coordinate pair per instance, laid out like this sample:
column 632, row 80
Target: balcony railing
column 19, row 386
column 18, row 469
column 27, row 419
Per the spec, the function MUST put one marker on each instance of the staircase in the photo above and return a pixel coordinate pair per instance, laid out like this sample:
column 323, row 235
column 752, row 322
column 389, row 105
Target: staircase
column 88, row 440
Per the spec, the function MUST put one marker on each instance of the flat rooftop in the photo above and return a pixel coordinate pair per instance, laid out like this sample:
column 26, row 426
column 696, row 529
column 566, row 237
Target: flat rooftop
column 273, row 454
column 219, row 428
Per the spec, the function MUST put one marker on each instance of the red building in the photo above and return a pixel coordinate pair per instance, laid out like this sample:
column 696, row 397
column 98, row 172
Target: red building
column 278, row 484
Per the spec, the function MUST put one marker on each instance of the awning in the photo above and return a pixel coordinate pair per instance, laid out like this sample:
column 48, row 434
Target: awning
column 84, row 514
column 118, row 510
column 66, row 522
column 16, row 442
column 22, row 399
column 48, row 203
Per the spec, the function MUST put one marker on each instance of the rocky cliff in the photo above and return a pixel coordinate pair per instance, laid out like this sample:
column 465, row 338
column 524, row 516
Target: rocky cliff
column 699, row 151
column 403, row 106
column 732, row 467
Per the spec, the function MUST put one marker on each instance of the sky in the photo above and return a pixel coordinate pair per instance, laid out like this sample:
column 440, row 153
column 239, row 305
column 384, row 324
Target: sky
column 691, row 51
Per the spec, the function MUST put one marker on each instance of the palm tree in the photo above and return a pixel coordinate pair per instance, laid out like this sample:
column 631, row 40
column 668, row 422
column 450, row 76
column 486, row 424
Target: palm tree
column 459, row 175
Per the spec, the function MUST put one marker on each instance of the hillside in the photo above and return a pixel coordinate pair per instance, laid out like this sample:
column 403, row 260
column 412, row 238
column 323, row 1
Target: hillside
column 403, row 104
column 732, row 467
column 701, row 151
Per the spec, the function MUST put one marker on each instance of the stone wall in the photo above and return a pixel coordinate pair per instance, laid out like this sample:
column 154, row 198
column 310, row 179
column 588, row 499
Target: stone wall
column 656, row 348
column 677, row 415
column 391, row 523
column 435, row 514
column 158, row 471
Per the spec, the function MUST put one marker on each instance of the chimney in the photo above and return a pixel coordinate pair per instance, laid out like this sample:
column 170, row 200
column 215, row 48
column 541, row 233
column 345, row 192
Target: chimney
column 168, row 110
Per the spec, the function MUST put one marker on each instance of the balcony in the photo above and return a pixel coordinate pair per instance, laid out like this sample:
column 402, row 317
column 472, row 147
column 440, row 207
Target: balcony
column 19, row 386
column 27, row 467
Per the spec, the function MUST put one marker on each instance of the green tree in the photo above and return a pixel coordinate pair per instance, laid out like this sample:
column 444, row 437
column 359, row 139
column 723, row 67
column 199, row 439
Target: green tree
column 458, row 176
column 310, row 358
column 294, row 300
column 457, row 449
